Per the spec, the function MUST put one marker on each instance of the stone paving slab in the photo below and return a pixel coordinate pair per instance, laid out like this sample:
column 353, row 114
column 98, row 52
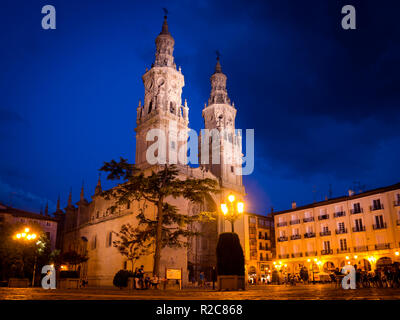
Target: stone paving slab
column 300, row 292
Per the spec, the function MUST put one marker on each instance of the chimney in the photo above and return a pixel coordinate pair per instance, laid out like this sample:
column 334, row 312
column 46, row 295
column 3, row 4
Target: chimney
column 351, row 193
column 294, row 205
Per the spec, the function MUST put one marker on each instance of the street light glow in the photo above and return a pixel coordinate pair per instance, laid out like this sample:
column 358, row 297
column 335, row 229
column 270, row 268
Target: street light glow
column 231, row 198
column 240, row 207
column 224, row 208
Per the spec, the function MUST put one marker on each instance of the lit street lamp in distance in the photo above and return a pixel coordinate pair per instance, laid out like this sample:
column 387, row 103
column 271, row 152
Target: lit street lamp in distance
column 232, row 210
column 26, row 236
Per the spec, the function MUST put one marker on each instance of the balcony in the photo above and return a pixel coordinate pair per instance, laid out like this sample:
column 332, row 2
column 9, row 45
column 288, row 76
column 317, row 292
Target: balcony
column 360, row 248
column 341, row 231
column 295, row 237
column 297, row 255
column 396, row 203
column 308, row 219
column 309, row 235
column 325, row 252
column 343, row 250
column 281, row 239
column 261, row 237
column 377, row 207
column 311, row 253
column 359, row 229
column 294, row 221
column 382, row 246
column 356, row 211
column 281, row 224
column 323, row 217
column 379, row 226
column 339, row 214
column 283, row 256
column 325, row 233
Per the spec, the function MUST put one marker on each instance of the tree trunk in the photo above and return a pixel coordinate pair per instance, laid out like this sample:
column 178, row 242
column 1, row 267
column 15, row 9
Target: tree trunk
column 157, row 253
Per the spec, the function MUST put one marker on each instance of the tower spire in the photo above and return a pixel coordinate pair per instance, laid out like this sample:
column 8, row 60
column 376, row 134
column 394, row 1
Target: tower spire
column 70, row 198
column 219, row 94
column 46, row 210
column 82, row 192
column 98, row 189
column 58, row 203
column 164, row 46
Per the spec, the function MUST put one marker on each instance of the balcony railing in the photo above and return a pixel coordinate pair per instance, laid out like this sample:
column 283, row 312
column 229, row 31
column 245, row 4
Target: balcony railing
column 382, row 246
column 323, row 217
column 359, row 229
column 282, row 224
column 356, row 211
column 396, row 203
column 377, row 207
column 297, row 255
column 360, row 248
column 339, row 214
column 295, row 237
column 341, row 231
column 308, row 219
column 311, row 253
column 309, row 235
column 281, row 239
column 343, row 250
column 294, row 221
column 325, row 233
column 328, row 251
column 283, row 256
column 379, row 226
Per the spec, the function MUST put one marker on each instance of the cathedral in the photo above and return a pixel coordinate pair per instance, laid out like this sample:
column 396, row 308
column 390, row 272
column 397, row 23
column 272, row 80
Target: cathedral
column 90, row 227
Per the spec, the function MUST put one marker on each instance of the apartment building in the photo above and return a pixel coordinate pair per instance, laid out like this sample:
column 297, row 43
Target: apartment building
column 362, row 229
column 260, row 245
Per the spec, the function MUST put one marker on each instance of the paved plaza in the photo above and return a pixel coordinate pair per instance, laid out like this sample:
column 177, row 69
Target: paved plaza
column 271, row 292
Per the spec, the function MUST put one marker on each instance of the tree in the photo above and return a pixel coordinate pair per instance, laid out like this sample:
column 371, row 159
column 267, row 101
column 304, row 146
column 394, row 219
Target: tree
column 73, row 258
column 130, row 244
column 121, row 278
column 169, row 227
column 230, row 258
column 18, row 257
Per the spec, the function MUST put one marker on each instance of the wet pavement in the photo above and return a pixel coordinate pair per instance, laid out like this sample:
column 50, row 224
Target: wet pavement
column 270, row 292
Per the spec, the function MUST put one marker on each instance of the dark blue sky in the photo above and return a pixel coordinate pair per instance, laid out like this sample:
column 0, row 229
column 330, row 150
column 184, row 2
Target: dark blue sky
column 324, row 102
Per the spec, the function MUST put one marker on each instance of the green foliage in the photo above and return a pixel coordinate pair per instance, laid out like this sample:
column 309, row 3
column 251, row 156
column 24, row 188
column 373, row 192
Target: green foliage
column 73, row 258
column 121, row 278
column 230, row 258
column 131, row 243
column 17, row 257
column 169, row 227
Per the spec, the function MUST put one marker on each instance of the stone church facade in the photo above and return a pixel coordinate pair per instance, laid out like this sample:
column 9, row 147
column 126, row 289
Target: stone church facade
column 90, row 227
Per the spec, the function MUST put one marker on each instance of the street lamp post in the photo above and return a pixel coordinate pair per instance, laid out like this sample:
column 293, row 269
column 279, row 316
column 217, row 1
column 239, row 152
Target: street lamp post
column 26, row 236
column 232, row 210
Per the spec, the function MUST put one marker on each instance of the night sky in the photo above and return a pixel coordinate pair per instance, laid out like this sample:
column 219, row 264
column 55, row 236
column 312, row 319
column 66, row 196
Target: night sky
column 324, row 102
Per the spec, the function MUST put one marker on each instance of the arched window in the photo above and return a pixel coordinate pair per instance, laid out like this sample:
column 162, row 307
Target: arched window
column 172, row 107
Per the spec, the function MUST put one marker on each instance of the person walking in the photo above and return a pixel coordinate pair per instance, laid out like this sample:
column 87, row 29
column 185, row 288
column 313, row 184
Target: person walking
column 201, row 279
column 141, row 277
column 213, row 277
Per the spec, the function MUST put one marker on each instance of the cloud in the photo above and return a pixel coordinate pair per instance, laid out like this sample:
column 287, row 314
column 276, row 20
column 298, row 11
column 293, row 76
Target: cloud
column 23, row 199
